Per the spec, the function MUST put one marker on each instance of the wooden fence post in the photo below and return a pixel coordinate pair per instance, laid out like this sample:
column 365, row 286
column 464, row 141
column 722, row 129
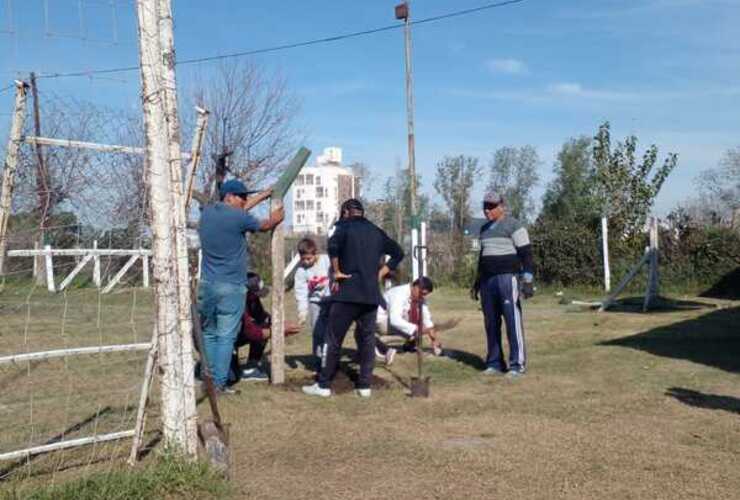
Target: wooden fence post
column 11, row 164
column 49, row 264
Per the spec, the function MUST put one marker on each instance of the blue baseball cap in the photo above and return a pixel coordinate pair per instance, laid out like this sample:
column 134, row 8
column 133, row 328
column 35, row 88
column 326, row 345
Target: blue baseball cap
column 233, row 186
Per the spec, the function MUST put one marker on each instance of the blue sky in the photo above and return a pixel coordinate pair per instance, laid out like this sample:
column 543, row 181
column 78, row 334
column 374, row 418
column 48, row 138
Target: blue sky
column 534, row 73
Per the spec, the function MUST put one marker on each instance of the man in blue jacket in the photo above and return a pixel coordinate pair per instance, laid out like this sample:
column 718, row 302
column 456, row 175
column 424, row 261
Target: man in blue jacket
column 356, row 249
column 222, row 290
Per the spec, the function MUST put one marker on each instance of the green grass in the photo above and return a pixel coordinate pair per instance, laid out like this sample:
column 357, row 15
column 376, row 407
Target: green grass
column 165, row 478
column 615, row 405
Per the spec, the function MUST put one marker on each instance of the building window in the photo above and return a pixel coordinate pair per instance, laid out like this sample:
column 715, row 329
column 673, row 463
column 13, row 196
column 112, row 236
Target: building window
column 319, row 217
column 320, row 192
column 309, row 179
column 309, row 205
column 299, row 205
column 299, row 218
column 299, row 180
column 298, row 193
column 318, row 180
column 318, row 205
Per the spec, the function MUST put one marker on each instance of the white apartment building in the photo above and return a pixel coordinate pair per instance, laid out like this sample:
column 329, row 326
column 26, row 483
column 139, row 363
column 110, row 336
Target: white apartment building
column 319, row 190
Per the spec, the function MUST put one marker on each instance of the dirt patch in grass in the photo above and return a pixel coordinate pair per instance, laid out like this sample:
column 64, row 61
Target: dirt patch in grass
column 343, row 383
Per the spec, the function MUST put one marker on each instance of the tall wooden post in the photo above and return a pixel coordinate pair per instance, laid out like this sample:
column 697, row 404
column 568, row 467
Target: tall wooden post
column 277, row 245
column 11, row 164
column 43, row 189
column 277, row 338
column 172, row 324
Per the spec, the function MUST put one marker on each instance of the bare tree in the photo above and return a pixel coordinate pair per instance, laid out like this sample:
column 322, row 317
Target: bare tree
column 253, row 120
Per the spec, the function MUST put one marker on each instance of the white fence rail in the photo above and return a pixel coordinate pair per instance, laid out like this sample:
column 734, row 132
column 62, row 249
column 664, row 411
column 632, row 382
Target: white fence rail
column 87, row 255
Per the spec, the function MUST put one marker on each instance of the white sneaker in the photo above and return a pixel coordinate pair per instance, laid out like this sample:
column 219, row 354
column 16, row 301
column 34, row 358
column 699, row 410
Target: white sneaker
column 390, row 356
column 437, row 350
column 378, row 355
column 315, row 390
column 363, row 393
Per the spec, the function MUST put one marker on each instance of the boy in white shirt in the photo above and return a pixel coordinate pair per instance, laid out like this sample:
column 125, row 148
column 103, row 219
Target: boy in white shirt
column 311, row 286
column 400, row 318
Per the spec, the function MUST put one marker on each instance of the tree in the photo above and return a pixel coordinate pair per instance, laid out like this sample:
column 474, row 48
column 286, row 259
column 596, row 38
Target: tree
column 364, row 178
column 626, row 189
column 253, row 119
column 454, row 183
column 571, row 195
column 720, row 187
column 513, row 173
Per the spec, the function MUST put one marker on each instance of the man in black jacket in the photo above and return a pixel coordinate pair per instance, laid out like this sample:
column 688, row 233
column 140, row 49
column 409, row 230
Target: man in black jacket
column 355, row 249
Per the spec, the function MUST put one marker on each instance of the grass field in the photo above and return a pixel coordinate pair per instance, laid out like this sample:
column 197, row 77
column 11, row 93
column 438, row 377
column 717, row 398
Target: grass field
column 615, row 405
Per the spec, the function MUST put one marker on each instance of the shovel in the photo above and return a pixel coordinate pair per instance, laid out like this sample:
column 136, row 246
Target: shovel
column 213, row 433
column 419, row 384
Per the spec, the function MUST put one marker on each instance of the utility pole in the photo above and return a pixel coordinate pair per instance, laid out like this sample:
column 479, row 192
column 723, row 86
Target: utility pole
column 403, row 13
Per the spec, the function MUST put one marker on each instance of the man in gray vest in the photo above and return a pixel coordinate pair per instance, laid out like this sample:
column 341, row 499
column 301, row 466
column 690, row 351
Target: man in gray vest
column 505, row 271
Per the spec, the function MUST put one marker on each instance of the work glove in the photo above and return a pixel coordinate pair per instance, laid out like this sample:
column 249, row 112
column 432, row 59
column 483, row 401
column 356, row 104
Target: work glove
column 527, row 286
column 475, row 289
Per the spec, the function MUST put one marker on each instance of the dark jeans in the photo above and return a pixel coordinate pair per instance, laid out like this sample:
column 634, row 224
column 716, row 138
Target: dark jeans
column 341, row 317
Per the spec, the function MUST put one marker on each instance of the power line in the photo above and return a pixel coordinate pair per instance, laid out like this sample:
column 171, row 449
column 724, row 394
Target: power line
column 295, row 45
column 6, row 88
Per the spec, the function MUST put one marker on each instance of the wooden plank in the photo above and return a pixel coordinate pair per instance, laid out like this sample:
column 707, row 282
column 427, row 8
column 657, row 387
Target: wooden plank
column 94, row 146
column 280, row 188
column 75, row 351
column 114, row 281
column 71, row 252
column 74, row 272
column 606, row 303
column 11, row 165
column 61, row 445
column 151, row 361
column 277, row 336
column 291, row 266
column 195, row 153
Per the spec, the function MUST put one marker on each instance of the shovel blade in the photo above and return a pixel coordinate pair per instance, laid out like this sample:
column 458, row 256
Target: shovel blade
column 215, row 442
column 419, row 387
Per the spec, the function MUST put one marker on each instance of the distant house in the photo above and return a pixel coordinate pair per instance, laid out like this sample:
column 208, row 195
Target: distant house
column 319, row 190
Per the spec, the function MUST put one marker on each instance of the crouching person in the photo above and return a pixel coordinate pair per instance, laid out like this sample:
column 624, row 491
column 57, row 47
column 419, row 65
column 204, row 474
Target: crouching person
column 401, row 318
column 255, row 332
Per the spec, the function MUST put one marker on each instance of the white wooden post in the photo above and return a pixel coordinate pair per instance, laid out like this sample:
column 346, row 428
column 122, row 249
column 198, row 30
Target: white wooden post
column 414, row 254
column 424, row 269
column 605, row 251
column 11, row 164
column 35, row 261
column 96, row 265
column 145, row 269
column 651, row 290
column 49, row 264
column 172, row 322
column 277, row 337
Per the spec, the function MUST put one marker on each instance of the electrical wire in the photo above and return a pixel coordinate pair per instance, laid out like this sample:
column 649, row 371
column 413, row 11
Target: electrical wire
column 295, row 45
